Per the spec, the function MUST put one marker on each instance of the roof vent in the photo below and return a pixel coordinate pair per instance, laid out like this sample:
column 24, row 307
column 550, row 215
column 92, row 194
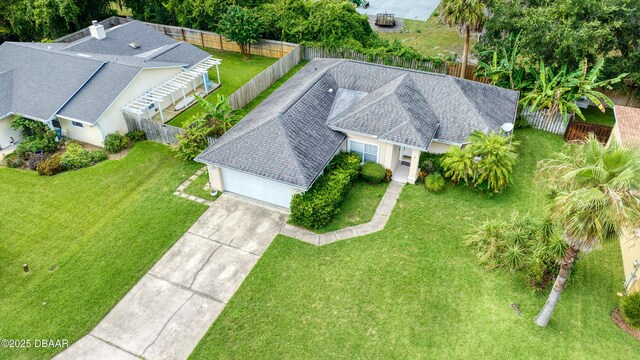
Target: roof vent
column 134, row 45
column 97, row 30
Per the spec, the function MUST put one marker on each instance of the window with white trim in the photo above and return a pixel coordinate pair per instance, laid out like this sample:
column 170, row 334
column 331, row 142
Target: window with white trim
column 77, row 124
column 367, row 152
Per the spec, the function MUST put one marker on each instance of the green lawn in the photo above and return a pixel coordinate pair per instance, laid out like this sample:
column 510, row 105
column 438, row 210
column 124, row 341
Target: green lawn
column 358, row 207
column 414, row 291
column 431, row 37
column 103, row 226
column 595, row 116
column 234, row 72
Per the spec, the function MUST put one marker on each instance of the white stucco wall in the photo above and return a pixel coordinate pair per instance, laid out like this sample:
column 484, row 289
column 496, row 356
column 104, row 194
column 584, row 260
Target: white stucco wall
column 439, row 148
column 113, row 120
column 86, row 133
column 7, row 132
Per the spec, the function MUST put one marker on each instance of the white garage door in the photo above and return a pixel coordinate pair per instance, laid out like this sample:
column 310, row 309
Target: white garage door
column 256, row 187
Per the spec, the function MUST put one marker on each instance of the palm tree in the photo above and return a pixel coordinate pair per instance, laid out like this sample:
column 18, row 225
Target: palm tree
column 596, row 196
column 459, row 164
column 497, row 158
column 468, row 16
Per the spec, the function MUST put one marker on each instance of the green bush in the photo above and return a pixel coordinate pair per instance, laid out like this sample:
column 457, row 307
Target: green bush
column 373, row 172
column 75, row 157
column 522, row 244
column 430, row 162
column 136, row 136
column 630, row 308
column 434, row 182
column 50, row 166
column 13, row 160
column 115, row 142
column 36, row 136
column 317, row 207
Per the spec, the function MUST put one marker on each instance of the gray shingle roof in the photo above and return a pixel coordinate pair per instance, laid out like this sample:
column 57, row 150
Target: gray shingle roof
column 396, row 112
column 288, row 137
column 43, row 81
column 119, row 37
column 6, row 85
column 81, row 79
column 98, row 94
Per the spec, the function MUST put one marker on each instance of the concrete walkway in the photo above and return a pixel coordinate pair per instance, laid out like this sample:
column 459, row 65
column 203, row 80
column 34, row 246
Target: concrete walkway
column 180, row 190
column 168, row 311
column 376, row 224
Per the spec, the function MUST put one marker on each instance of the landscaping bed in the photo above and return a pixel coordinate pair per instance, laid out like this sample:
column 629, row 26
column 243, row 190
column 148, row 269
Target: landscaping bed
column 87, row 236
column 411, row 290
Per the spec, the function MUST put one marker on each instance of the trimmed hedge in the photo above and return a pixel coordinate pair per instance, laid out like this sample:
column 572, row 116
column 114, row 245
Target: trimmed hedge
column 317, row 207
column 373, row 172
column 137, row 135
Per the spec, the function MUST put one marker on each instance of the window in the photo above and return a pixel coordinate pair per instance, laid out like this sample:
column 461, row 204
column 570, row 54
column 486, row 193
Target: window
column 368, row 152
column 76, row 124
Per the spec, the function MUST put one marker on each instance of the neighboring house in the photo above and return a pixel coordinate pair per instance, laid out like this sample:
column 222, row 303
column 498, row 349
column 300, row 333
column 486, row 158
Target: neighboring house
column 627, row 132
column 387, row 115
column 82, row 87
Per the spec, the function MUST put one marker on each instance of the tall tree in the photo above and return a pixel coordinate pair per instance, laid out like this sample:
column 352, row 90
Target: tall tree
column 243, row 26
column 595, row 197
column 468, row 16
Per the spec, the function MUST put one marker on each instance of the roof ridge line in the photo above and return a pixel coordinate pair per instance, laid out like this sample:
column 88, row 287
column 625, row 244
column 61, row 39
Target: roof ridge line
column 309, row 86
column 347, row 112
column 473, row 105
column 65, row 53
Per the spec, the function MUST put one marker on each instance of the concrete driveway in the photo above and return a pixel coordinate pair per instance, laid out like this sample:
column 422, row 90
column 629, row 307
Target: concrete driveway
column 404, row 9
column 168, row 311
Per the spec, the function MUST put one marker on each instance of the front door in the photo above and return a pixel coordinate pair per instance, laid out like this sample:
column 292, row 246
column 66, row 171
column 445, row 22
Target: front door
column 405, row 153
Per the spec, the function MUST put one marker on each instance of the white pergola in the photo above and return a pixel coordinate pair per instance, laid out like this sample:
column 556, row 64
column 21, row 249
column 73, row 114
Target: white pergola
column 183, row 82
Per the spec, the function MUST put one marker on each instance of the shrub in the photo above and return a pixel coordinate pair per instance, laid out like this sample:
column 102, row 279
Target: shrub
column 434, row 182
column 50, row 166
column 76, row 157
column 630, row 308
column 36, row 136
column 317, row 207
column 115, row 142
column 194, row 140
column 421, row 176
column 137, row 135
column 459, row 164
column 430, row 162
column 373, row 172
column 521, row 244
column 34, row 160
column 13, row 160
column 388, row 175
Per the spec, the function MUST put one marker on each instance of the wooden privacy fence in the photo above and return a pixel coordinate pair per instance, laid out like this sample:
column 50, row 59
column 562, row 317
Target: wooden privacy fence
column 312, row 52
column 630, row 98
column 261, row 82
column 162, row 133
column 541, row 120
column 579, row 130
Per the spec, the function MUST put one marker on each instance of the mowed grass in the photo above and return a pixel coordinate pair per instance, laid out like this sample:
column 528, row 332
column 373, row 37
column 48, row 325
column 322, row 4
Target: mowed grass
column 358, row 207
column 197, row 188
column 103, row 227
column 414, row 291
column 234, row 73
column 595, row 116
column 431, row 37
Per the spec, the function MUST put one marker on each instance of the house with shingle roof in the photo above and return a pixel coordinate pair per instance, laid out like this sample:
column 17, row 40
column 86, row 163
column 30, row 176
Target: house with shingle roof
column 81, row 89
column 385, row 114
column 626, row 132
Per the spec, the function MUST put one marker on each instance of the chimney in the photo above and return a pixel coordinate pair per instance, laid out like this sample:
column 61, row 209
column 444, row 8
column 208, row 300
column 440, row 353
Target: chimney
column 97, row 30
